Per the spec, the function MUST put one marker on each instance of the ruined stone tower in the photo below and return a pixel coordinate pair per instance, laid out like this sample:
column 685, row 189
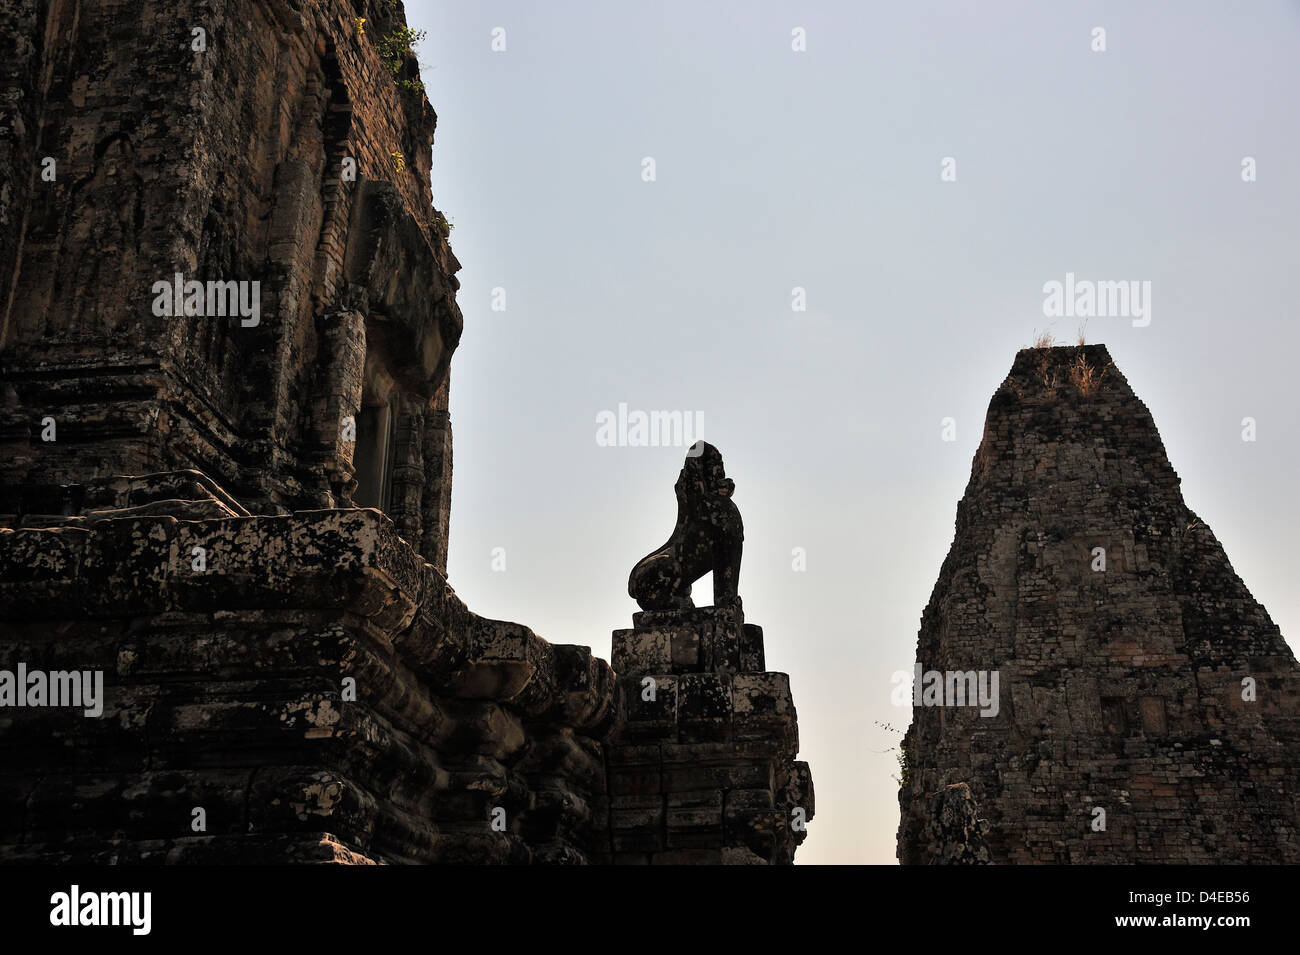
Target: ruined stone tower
column 227, row 319
column 1149, row 709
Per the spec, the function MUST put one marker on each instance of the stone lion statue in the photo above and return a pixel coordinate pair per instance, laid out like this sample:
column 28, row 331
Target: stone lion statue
column 708, row 537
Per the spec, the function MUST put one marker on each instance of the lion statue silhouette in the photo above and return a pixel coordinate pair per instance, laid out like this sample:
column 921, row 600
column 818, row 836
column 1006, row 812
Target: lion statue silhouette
column 708, row 537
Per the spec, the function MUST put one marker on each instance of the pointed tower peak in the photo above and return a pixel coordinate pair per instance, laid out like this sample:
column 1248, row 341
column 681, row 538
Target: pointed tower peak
column 1088, row 647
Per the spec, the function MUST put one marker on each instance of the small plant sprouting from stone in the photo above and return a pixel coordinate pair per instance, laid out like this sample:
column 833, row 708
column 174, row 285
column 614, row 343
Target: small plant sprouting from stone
column 1046, row 374
column 394, row 48
column 1043, row 343
column 399, row 161
column 442, row 225
column 398, row 44
column 361, row 26
column 1178, row 535
column 904, row 756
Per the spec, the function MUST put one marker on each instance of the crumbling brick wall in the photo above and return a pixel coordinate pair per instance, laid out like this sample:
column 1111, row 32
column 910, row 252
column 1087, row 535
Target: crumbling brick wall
column 1149, row 708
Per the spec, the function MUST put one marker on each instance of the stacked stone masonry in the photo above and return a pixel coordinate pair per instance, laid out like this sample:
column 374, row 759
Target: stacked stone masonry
column 227, row 690
column 1151, row 687
column 221, row 164
column 703, row 769
column 288, row 675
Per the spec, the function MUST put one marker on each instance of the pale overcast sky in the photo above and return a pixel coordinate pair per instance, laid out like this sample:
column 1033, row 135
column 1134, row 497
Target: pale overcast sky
column 777, row 169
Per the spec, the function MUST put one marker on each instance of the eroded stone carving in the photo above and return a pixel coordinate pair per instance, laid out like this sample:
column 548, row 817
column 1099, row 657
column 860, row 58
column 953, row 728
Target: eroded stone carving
column 708, row 537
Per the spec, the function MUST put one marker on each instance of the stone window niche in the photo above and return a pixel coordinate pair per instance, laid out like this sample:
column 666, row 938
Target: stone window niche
column 401, row 457
column 375, row 454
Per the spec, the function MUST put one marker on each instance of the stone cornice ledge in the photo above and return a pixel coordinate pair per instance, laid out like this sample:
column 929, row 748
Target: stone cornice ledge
column 351, row 561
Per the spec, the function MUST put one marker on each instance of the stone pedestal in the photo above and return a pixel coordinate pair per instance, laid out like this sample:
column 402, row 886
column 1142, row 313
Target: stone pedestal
column 703, row 769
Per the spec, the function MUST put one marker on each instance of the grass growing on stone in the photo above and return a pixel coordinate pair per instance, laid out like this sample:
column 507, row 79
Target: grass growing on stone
column 1084, row 376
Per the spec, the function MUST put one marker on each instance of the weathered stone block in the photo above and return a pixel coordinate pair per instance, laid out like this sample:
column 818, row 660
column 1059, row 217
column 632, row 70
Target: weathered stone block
column 126, row 565
column 640, row 651
column 704, row 701
column 752, row 656
column 736, row 775
column 652, row 709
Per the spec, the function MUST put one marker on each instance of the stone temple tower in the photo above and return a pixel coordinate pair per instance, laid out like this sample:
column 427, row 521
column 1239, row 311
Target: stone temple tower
column 227, row 314
column 281, row 153
column 1148, row 708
